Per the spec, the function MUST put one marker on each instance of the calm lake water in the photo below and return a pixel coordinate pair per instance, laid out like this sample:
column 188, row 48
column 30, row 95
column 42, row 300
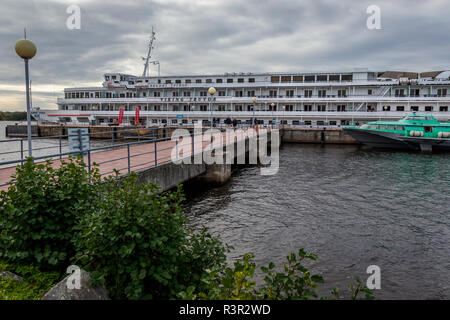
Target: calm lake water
column 350, row 206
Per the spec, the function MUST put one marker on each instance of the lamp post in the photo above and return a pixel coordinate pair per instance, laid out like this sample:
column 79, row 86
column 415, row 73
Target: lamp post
column 27, row 50
column 254, row 106
column 284, row 108
column 211, row 91
column 273, row 106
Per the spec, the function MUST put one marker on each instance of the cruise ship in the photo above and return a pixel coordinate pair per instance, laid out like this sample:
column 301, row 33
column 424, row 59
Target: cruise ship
column 295, row 99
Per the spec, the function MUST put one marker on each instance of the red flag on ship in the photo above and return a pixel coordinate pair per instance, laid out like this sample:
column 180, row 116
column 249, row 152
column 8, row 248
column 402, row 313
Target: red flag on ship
column 136, row 117
column 120, row 115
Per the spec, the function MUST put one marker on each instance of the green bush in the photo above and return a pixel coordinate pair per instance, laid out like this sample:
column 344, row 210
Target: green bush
column 136, row 242
column 295, row 282
column 39, row 211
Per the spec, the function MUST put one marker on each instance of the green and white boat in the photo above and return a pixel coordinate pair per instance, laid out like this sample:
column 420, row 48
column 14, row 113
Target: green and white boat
column 416, row 132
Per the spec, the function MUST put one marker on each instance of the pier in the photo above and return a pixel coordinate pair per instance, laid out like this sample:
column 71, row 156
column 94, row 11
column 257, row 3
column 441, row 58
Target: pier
column 153, row 160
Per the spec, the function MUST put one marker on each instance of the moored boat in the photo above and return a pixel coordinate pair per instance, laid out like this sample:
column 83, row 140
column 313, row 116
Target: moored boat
column 416, row 132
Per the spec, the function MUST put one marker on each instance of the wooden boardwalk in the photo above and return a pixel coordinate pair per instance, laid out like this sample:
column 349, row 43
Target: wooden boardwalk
column 141, row 155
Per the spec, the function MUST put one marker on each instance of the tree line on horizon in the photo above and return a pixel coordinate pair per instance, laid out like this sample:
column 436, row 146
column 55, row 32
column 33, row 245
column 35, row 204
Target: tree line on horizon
column 13, row 115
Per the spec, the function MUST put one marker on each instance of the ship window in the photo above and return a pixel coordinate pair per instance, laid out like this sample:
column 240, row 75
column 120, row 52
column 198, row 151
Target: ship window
column 333, row 123
column 308, row 123
column 322, row 78
column 219, row 80
column 229, row 80
column 297, row 78
column 334, row 77
column 187, row 81
column 168, row 81
column 382, row 127
column 221, row 93
column 198, row 81
column 241, row 80
column 177, row 81
column 386, row 108
column 208, row 80
column 428, row 129
column 163, row 121
column 275, row 79
column 347, row 77
column 391, row 128
column 414, row 108
column 286, row 79
column 310, row 78
column 443, row 109
column 251, row 80
column 400, row 108
column 401, row 128
column 429, row 108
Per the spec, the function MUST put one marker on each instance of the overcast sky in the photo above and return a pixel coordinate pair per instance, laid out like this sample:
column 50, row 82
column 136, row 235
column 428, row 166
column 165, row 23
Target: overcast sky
column 214, row 36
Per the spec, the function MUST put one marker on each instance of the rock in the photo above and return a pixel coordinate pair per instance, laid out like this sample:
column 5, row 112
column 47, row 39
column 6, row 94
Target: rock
column 65, row 290
column 11, row 275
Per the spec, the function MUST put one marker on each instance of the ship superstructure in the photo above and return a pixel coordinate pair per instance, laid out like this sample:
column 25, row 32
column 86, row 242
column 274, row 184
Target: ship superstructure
column 297, row 98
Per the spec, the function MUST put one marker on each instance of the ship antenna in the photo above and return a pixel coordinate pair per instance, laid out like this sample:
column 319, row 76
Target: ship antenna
column 147, row 60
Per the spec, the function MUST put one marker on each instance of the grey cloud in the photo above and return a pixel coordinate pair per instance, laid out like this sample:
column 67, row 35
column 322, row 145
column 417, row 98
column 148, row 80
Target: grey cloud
column 195, row 37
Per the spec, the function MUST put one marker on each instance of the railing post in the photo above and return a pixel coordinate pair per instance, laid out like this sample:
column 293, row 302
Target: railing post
column 112, row 137
column 193, row 137
column 80, row 141
column 60, row 147
column 89, row 159
column 128, row 150
column 176, row 148
column 21, row 151
column 156, row 152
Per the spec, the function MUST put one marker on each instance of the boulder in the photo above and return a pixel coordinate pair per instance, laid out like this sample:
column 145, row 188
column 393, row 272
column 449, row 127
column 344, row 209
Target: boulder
column 65, row 291
column 7, row 274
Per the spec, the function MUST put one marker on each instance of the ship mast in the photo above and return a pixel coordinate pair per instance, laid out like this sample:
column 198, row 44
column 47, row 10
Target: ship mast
column 147, row 60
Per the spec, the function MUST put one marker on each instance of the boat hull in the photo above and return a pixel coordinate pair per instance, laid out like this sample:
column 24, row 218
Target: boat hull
column 379, row 139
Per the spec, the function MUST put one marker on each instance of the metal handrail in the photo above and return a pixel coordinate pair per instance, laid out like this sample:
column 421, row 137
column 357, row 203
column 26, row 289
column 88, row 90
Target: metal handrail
column 129, row 155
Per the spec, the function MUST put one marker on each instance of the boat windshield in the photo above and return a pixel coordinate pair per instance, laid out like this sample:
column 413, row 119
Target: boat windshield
column 368, row 126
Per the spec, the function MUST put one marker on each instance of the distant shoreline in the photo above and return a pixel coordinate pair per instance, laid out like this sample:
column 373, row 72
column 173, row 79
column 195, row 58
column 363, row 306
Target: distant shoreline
column 13, row 116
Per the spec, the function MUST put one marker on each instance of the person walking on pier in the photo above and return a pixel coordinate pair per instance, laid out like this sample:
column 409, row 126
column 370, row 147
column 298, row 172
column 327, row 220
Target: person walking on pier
column 234, row 123
column 228, row 121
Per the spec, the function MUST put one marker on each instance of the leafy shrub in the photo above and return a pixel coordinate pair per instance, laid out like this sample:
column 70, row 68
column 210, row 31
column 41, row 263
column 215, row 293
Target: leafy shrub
column 40, row 209
column 135, row 241
column 295, row 283
column 36, row 283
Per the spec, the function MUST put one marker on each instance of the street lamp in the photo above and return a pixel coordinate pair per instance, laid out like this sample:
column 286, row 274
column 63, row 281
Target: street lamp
column 284, row 108
column 273, row 106
column 211, row 91
column 254, row 106
column 27, row 50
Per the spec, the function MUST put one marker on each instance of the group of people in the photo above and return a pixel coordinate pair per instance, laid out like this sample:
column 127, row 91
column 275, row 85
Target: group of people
column 229, row 122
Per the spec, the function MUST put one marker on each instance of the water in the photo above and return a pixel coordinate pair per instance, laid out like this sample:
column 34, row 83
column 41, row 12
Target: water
column 41, row 147
column 350, row 206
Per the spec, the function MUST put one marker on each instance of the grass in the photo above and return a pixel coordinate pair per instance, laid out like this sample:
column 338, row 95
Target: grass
column 36, row 283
